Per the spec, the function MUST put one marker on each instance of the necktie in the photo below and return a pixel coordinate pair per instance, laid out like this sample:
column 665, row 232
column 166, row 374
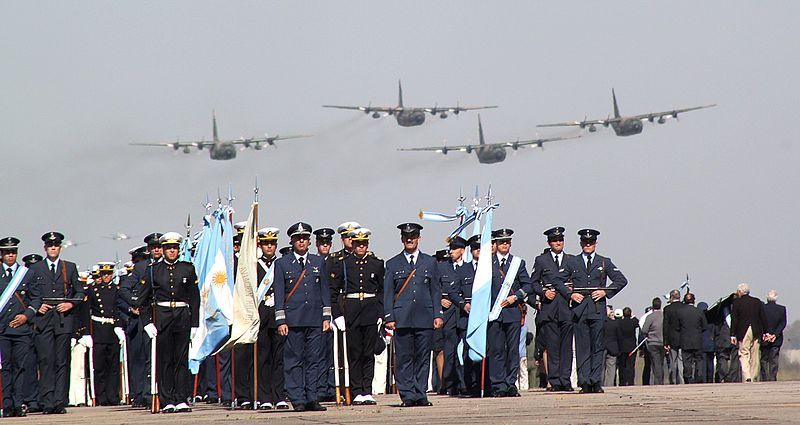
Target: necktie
column 53, row 269
column 503, row 263
column 411, row 260
column 588, row 262
column 9, row 272
column 556, row 258
column 302, row 262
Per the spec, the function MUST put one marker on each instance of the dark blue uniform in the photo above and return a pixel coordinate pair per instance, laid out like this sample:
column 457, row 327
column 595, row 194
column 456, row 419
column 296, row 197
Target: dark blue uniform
column 271, row 382
column 16, row 344
column 413, row 311
column 304, row 312
column 589, row 316
column 461, row 295
column 556, row 319
column 103, row 318
column 450, row 371
column 504, row 333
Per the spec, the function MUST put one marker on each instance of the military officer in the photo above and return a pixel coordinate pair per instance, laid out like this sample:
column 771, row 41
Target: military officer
column 31, row 258
column 324, row 241
column 461, row 296
column 271, row 393
column 172, row 286
column 412, row 299
column 31, row 368
column 303, row 313
column 54, row 322
column 448, row 269
column 16, row 334
column 105, row 330
column 504, row 332
column 359, row 277
column 589, row 273
column 555, row 316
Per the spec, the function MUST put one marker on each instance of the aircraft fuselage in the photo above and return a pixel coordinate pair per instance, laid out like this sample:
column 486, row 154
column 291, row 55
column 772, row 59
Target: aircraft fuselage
column 223, row 151
column 627, row 127
column 491, row 155
column 410, row 117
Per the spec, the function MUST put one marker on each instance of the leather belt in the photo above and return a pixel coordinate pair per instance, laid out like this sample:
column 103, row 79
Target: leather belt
column 105, row 320
column 172, row 304
column 359, row 296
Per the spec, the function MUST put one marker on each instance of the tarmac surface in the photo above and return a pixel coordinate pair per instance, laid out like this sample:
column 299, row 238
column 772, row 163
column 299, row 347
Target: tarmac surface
column 753, row 403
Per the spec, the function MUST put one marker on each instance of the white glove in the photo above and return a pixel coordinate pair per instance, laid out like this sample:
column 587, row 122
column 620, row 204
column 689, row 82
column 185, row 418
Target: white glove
column 339, row 322
column 72, row 343
column 192, row 333
column 120, row 334
column 86, row 341
column 151, row 331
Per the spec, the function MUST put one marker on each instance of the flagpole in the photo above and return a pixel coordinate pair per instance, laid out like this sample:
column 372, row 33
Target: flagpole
column 255, row 344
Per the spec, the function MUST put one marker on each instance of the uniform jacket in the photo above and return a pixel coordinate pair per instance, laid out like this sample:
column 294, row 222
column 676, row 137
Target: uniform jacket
column 101, row 304
column 461, row 291
column 310, row 304
column 544, row 275
column 165, row 282
column 521, row 288
column 776, row 322
column 64, row 284
column 421, row 300
column 601, row 271
column 747, row 311
column 266, row 313
column 611, row 343
column 448, row 276
column 18, row 304
column 626, row 334
column 691, row 323
column 353, row 275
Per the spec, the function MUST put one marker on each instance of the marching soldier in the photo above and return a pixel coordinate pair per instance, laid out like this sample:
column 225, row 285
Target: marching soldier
column 461, row 296
column 16, row 334
column 451, row 373
column 302, row 312
column 504, row 332
column 588, row 273
column 31, row 368
column 555, row 316
column 271, row 392
column 106, row 334
column 324, row 241
column 412, row 298
column 359, row 277
column 172, row 286
column 57, row 280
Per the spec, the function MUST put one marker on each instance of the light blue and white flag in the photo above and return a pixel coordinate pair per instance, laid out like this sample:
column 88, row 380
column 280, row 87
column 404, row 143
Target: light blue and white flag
column 481, row 296
column 12, row 286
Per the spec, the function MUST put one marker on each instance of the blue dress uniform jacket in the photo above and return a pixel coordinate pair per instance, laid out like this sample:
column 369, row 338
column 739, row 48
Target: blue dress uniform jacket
column 521, row 287
column 103, row 317
column 544, row 276
column 310, row 304
column 164, row 282
column 16, row 344
column 421, row 300
column 603, row 269
column 18, row 304
column 64, row 284
column 461, row 291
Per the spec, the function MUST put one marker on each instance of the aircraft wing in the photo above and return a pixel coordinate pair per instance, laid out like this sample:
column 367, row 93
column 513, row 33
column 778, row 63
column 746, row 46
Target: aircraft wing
column 469, row 148
column 531, row 142
column 669, row 114
column 442, row 149
column 454, row 109
column 581, row 124
column 268, row 140
column 366, row 109
column 178, row 145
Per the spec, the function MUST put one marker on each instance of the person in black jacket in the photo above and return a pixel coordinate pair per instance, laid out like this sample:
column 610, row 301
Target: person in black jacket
column 105, row 331
column 611, row 348
column 691, row 322
column 672, row 344
column 773, row 337
column 626, row 341
column 747, row 329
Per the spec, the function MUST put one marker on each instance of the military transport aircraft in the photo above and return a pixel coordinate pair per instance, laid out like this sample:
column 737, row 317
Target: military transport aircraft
column 223, row 149
column 489, row 153
column 407, row 116
column 626, row 126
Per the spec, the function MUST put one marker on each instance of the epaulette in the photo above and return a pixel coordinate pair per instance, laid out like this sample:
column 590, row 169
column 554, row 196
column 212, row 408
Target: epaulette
column 372, row 254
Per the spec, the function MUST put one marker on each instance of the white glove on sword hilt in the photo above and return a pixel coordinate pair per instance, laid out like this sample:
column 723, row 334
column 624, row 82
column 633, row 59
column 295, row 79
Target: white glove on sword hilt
column 151, row 330
column 86, row 341
column 339, row 322
column 120, row 334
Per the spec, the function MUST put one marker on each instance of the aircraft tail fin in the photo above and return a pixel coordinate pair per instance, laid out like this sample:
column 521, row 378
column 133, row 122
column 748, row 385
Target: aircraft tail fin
column 399, row 93
column 480, row 131
column 616, row 107
column 214, row 122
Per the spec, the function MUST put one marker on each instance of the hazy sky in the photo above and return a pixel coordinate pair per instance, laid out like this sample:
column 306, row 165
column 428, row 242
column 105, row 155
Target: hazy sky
column 713, row 195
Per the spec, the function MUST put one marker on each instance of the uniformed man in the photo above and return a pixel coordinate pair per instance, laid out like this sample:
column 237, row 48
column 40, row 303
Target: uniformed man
column 271, row 393
column 303, row 313
column 359, row 277
column 106, row 333
column 285, row 250
column 31, row 368
column 16, row 334
column 504, row 332
column 138, row 341
column 54, row 322
column 461, row 296
column 324, row 241
column 80, row 344
column 589, row 273
column 31, row 259
column 451, row 370
column 172, row 286
column 412, row 299
column 554, row 314
column 327, row 392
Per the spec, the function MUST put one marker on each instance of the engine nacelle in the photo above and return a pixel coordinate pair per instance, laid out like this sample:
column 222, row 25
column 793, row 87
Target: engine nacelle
column 592, row 128
column 376, row 115
column 257, row 146
column 445, row 150
column 651, row 118
column 662, row 120
column 199, row 146
column 443, row 115
column 186, row 149
column 515, row 145
column 469, row 149
column 674, row 115
column 176, row 146
column 456, row 111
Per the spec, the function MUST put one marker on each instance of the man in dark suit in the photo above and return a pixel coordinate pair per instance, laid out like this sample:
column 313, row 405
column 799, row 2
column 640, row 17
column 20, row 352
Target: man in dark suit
column 748, row 323
column 461, row 295
column 54, row 322
column 690, row 324
column 555, row 316
column 626, row 339
column 447, row 268
column 773, row 337
column 672, row 338
column 611, row 346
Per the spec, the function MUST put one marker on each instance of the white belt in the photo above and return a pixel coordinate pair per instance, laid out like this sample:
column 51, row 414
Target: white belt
column 172, row 304
column 359, row 296
column 106, row 320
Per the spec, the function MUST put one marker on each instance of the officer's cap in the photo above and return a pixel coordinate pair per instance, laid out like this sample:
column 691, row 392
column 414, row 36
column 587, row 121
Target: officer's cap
column 9, row 243
column 84, row 275
column 618, row 313
column 324, row 234
column 95, row 271
column 458, row 242
column 268, row 234
column 361, row 234
column 285, row 250
column 409, row 228
column 299, row 229
column 345, row 228
column 588, row 234
column 474, row 242
column 52, row 238
column 105, row 267
column 240, row 227
column 442, row 255
column 502, row 234
column 153, row 238
column 31, row 258
column 554, row 234
column 170, row 238
column 128, row 265
column 142, row 249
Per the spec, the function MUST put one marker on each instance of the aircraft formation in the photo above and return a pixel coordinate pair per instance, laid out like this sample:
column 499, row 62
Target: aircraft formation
column 407, row 116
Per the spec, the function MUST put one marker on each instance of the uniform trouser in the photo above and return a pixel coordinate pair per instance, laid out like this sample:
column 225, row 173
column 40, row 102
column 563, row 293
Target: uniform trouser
column 450, row 374
column 79, row 376
column 271, row 379
column 558, row 340
column 53, row 352
column 30, row 394
column 471, row 371
column 302, row 359
column 243, row 373
column 221, row 390
column 589, row 350
column 728, row 367
column 14, row 351
column 648, row 366
column 361, row 342
column 657, row 362
column 627, row 369
column 675, row 366
column 769, row 363
column 138, row 345
column 609, row 369
column 172, row 364
column 413, row 347
column 326, row 380
column 707, row 367
column 503, row 340
column 692, row 363
column 749, row 355
column 106, row 373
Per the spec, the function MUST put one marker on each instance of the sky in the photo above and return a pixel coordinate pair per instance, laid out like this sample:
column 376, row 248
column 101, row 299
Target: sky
column 713, row 195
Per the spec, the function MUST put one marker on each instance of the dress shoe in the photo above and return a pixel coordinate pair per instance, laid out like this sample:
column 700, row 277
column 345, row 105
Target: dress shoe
column 585, row 389
column 597, row 389
column 552, row 389
column 183, row 408
column 567, row 388
column 245, row 405
column 282, row 405
column 423, row 403
column 369, row 400
column 314, row 406
column 170, row 408
column 212, row 400
column 408, row 403
column 33, row 409
column 442, row 391
column 266, row 406
column 512, row 392
column 59, row 410
column 327, row 398
column 299, row 407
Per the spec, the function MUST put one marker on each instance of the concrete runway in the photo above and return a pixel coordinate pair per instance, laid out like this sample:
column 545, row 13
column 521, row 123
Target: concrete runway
column 754, row 403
